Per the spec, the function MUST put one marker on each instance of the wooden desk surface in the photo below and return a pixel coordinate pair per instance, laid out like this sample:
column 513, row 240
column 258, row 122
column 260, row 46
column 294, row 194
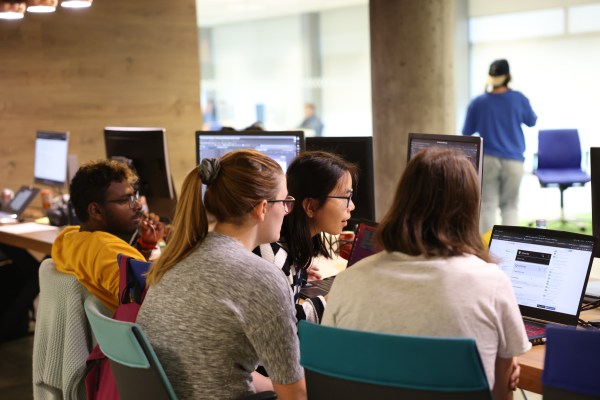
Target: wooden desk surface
column 29, row 237
column 532, row 362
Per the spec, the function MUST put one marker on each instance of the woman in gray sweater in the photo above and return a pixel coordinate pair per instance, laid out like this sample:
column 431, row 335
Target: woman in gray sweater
column 214, row 310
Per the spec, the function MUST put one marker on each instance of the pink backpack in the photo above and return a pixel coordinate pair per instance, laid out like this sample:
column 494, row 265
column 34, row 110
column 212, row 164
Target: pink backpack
column 99, row 381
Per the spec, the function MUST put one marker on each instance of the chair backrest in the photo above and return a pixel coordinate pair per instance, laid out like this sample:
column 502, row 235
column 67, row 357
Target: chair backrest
column 349, row 364
column 571, row 366
column 136, row 368
column 63, row 337
column 559, row 149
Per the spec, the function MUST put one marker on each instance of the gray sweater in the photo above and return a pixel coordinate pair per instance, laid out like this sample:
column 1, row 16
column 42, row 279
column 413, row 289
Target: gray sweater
column 216, row 315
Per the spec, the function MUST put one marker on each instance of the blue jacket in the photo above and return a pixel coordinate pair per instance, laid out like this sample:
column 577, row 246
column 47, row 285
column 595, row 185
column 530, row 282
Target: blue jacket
column 497, row 118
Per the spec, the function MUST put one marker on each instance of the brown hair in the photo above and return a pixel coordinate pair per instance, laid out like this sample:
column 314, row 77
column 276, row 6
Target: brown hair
column 435, row 211
column 236, row 183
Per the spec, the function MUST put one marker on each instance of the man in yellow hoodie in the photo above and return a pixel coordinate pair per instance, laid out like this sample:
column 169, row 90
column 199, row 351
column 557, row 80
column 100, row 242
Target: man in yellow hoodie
column 105, row 201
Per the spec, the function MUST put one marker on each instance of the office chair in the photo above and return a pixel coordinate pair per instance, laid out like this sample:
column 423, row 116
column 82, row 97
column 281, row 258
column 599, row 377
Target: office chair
column 348, row 364
column 571, row 364
column 63, row 338
column 559, row 162
column 135, row 366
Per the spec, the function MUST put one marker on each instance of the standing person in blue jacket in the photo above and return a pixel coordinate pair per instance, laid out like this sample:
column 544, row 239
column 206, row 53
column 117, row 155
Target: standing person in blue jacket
column 497, row 116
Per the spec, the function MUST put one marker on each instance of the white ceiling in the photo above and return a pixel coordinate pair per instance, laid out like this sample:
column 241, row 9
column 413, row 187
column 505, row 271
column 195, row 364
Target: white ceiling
column 217, row 12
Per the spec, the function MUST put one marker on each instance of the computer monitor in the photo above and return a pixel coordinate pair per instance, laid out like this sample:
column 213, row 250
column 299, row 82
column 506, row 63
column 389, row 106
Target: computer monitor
column 357, row 150
column 145, row 149
column 471, row 146
column 51, row 158
column 283, row 147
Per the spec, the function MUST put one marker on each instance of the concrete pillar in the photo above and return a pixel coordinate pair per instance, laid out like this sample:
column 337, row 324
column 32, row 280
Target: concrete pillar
column 413, row 74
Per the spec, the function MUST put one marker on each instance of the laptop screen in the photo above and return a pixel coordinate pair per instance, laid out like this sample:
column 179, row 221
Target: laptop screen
column 548, row 269
column 364, row 243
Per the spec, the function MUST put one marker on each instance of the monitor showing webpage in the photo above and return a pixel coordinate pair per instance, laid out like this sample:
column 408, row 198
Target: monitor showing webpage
column 51, row 158
column 548, row 270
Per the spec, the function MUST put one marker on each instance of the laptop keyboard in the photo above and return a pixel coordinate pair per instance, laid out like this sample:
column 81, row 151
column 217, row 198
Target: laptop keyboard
column 324, row 284
column 534, row 330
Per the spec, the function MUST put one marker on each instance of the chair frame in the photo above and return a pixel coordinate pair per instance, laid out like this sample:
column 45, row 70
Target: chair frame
column 135, row 366
column 390, row 366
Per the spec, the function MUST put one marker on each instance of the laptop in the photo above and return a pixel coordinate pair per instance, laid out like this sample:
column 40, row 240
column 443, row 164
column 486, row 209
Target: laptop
column 12, row 211
column 363, row 246
column 548, row 270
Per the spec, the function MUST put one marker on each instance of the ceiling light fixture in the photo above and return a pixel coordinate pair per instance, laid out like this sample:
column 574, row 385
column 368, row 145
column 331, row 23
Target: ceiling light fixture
column 76, row 3
column 41, row 6
column 12, row 10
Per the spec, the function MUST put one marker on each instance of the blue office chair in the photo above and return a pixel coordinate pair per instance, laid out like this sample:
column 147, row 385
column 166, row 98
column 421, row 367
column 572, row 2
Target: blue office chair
column 572, row 364
column 559, row 162
column 347, row 364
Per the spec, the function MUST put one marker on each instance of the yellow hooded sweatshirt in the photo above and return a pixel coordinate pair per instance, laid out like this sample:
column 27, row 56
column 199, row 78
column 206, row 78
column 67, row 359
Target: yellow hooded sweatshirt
column 92, row 258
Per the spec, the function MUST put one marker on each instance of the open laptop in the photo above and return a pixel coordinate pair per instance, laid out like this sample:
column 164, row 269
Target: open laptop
column 14, row 209
column 548, row 270
column 363, row 246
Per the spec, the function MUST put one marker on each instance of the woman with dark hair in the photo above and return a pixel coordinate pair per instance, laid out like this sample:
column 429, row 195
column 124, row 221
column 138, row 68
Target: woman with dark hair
column 322, row 185
column 434, row 277
column 214, row 309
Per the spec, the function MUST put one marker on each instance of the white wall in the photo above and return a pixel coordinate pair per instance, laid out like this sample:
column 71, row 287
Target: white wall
column 346, row 72
column 261, row 62
column 258, row 62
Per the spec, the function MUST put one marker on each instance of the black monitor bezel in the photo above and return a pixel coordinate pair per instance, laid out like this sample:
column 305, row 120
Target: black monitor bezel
column 297, row 133
column 477, row 140
column 162, row 206
column 366, row 179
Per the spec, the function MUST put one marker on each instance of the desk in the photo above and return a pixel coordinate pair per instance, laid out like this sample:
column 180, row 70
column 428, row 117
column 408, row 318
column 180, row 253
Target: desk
column 29, row 236
column 532, row 362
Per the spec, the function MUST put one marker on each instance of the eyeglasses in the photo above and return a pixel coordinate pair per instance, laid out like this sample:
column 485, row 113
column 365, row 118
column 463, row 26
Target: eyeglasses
column 131, row 200
column 288, row 203
column 347, row 198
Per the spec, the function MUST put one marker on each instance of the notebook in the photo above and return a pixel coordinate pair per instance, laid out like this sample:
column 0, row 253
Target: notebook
column 363, row 246
column 14, row 209
column 548, row 270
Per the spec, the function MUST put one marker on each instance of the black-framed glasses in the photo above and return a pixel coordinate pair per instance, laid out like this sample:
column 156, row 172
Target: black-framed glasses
column 347, row 198
column 288, row 203
column 130, row 200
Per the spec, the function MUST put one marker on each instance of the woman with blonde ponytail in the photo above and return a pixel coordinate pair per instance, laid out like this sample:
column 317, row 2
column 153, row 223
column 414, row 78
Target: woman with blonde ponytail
column 213, row 308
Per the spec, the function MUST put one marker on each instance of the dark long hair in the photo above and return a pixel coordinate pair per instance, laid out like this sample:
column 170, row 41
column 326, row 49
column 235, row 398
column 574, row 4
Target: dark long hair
column 435, row 211
column 312, row 175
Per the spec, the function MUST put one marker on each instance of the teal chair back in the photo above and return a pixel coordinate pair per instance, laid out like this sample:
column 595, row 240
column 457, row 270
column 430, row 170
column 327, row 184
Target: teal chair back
column 136, row 369
column 349, row 364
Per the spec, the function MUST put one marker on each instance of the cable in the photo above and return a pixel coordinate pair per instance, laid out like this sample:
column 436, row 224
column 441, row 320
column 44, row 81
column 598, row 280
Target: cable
column 590, row 306
column 588, row 324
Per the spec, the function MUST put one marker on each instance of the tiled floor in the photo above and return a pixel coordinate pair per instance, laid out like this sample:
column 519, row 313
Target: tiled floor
column 15, row 356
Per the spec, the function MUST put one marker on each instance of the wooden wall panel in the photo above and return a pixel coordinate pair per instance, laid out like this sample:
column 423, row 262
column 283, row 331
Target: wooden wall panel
column 120, row 62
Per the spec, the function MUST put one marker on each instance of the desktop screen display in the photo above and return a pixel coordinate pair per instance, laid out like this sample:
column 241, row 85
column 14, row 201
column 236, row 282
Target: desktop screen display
column 471, row 146
column 51, row 158
column 145, row 149
column 283, row 147
column 357, row 150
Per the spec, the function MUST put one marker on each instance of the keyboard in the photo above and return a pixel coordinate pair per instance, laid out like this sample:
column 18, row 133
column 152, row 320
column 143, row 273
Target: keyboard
column 317, row 288
column 535, row 332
